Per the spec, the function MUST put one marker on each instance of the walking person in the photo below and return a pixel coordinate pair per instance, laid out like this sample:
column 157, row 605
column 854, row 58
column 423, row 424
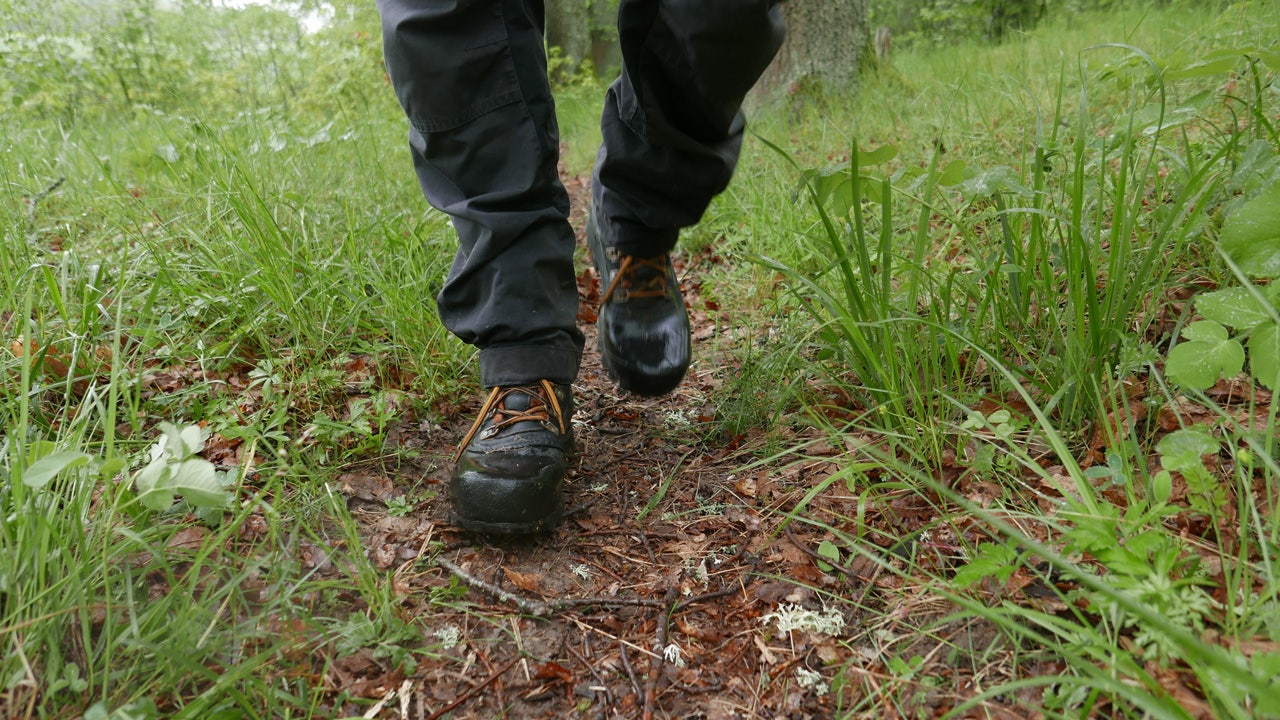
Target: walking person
column 471, row 76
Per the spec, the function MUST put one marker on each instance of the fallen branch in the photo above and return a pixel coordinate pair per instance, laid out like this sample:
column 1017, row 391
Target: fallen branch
column 659, row 653
column 533, row 607
column 539, row 607
column 723, row 592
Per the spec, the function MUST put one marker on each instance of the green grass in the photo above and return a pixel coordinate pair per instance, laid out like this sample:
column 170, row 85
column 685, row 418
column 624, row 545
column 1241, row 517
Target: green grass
column 1030, row 265
column 270, row 276
column 247, row 276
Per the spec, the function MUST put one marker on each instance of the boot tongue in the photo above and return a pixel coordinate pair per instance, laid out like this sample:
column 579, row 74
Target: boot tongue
column 522, row 400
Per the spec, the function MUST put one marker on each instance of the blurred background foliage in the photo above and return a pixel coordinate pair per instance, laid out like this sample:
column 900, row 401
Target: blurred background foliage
column 74, row 59
column 68, row 59
column 936, row 22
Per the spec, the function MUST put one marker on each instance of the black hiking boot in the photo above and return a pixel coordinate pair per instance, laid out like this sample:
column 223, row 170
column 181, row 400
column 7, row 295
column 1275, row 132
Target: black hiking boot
column 509, row 467
column 642, row 326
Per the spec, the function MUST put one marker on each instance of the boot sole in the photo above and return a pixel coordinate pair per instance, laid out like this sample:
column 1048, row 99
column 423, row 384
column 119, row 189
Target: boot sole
column 486, row 527
column 640, row 384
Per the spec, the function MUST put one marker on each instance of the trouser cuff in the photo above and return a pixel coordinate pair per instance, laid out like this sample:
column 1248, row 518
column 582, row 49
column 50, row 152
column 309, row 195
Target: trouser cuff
column 527, row 364
column 635, row 239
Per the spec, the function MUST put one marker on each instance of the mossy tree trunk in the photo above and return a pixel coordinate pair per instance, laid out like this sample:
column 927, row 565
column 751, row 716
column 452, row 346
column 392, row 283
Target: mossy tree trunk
column 825, row 47
column 583, row 30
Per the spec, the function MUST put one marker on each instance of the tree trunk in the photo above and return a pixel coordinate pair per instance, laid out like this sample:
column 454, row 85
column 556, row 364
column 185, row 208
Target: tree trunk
column 583, row 30
column 826, row 43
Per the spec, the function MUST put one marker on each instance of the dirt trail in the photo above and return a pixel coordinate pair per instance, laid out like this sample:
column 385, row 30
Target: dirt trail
column 651, row 599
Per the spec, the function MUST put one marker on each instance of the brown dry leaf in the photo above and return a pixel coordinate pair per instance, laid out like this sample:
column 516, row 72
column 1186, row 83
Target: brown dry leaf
column 221, row 451
column 527, row 582
column 1182, row 414
column 553, row 671
column 1253, row 646
column 190, row 538
column 1171, row 681
column 1117, row 424
column 383, row 556
column 366, row 485
column 766, row 653
column 984, row 493
column 827, row 651
column 1240, row 388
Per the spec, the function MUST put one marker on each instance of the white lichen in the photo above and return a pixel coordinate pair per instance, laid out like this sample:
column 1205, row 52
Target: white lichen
column 672, row 654
column 811, row 680
column 790, row 617
column 449, row 636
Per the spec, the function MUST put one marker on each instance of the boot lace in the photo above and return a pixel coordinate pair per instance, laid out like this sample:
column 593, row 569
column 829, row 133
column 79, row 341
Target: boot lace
column 625, row 284
column 542, row 402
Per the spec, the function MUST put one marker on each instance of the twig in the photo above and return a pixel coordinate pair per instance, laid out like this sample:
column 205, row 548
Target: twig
column 35, row 200
column 467, row 695
column 614, row 638
column 32, row 235
column 644, row 539
column 848, row 573
column 723, row 592
column 580, row 507
column 659, row 646
column 631, row 674
column 532, row 607
column 542, row 608
column 608, row 696
column 539, row 607
column 498, row 686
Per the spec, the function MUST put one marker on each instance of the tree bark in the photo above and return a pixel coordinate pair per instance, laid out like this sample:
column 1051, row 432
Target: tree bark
column 826, row 43
column 584, row 30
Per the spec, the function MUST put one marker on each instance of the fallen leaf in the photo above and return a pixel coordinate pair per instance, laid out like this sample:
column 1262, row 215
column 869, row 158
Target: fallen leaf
column 525, row 581
column 189, row 538
column 765, row 653
column 553, row 671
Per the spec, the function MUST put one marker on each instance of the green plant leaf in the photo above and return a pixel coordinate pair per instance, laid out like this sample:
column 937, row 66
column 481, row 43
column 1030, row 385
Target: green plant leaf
column 882, row 154
column 1209, row 354
column 1270, row 58
column 1000, row 178
column 1251, row 236
column 828, row 549
column 197, row 481
column 181, row 442
column 46, row 468
column 992, row 560
column 1205, row 331
column 173, row 470
column 953, row 173
column 1184, row 450
column 1214, row 63
column 1235, row 307
column 150, row 483
column 1161, row 487
column 1264, row 355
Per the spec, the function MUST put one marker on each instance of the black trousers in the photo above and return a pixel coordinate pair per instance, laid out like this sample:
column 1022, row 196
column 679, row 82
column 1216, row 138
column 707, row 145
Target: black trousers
column 472, row 78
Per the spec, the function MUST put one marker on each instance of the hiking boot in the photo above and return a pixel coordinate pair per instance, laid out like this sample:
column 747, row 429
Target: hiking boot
column 506, row 479
column 642, row 327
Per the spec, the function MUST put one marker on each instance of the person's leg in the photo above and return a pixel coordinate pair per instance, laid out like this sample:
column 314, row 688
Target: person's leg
column 672, row 129
column 471, row 77
column 672, row 122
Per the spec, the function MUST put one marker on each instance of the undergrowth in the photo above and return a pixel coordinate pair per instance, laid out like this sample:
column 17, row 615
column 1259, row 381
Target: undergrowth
column 1030, row 349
